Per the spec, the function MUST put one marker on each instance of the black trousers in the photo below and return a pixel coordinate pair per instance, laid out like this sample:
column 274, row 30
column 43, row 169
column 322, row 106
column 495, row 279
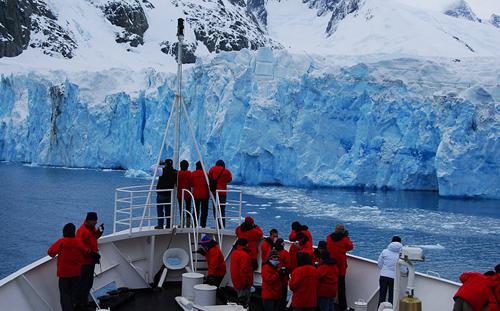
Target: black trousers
column 386, row 284
column 203, row 206
column 284, row 297
column 271, row 304
column 222, row 202
column 163, row 209
column 86, row 282
column 68, row 290
column 341, row 293
column 187, row 206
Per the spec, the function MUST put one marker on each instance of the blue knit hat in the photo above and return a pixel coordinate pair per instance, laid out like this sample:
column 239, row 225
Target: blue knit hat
column 205, row 239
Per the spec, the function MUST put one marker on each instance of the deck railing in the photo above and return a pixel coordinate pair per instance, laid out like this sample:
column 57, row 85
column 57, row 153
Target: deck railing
column 135, row 208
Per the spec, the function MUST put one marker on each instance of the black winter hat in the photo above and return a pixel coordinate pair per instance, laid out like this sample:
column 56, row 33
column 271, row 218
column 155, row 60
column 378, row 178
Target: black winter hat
column 296, row 226
column 91, row 216
column 396, row 239
column 69, row 230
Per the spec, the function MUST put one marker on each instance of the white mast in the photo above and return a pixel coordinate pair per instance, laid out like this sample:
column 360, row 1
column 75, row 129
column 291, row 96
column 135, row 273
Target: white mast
column 178, row 95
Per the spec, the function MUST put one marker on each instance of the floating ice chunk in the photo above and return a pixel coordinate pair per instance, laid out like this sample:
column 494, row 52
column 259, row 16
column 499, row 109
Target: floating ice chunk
column 132, row 173
column 431, row 246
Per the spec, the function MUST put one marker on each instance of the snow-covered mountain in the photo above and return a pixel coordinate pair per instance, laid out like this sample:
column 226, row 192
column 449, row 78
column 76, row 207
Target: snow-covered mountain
column 137, row 33
column 396, row 94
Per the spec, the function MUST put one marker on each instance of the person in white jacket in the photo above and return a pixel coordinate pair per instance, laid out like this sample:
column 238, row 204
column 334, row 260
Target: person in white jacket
column 387, row 265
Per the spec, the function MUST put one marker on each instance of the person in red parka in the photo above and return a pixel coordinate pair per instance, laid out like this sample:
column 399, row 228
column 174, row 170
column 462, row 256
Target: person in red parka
column 494, row 304
column 298, row 227
column 268, row 244
column 220, row 176
column 241, row 271
column 284, row 270
column 249, row 231
column 304, row 284
column 215, row 260
column 184, row 182
column 200, row 193
column 338, row 244
column 328, row 279
column 89, row 234
column 70, row 252
column 271, row 282
column 475, row 292
column 301, row 245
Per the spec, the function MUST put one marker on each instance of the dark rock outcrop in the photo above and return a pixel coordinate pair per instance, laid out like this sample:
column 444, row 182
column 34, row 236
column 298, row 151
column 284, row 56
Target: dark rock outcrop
column 31, row 23
column 188, row 51
column 461, row 9
column 129, row 15
column 338, row 8
column 47, row 34
column 223, row 27
column 14, row 27
column 495, row 20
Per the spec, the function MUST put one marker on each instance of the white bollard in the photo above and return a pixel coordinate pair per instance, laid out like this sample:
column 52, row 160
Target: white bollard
column 205, row 295
column 189, row 280
column 360, row 305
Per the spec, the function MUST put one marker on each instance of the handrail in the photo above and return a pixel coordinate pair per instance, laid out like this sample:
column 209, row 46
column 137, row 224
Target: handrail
column 195, row 237
column 130, row 200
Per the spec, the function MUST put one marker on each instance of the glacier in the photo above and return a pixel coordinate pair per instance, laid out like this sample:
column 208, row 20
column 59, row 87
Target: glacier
column 275, row 118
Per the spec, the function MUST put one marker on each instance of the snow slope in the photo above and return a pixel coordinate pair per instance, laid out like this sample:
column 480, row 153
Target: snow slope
column 275, row 118
column 383, row 27
column 92, row 34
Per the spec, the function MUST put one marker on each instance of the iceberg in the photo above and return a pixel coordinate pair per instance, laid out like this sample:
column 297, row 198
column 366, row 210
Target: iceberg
column 275, row 118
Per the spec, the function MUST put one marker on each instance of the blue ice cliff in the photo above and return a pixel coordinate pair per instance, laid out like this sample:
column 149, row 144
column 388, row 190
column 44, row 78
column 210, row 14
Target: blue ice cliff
column 275, row 118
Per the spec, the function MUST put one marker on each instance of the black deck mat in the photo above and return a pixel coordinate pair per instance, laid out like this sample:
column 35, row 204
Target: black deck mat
column 154, row 299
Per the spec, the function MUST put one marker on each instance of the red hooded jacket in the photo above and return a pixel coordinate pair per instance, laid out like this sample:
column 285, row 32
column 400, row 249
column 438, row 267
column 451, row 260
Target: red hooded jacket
column 224, row 179
column 199, row 184
column 293, row 237
column 494, row 304
column 71, row 253
column 294, row 252
column 241, row 268
column 215, row 261
column 328, row 279
column 89, row 238
column 477, row 289
column 304, row 285
column 252, row 235
column 183, row 182
column 265, row 249
column 338, row 245
column 285, row 262
column 271, row 282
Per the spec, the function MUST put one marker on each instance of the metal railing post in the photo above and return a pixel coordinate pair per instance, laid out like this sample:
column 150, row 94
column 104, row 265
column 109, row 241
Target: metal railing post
column 114, row 216
column 130, row 214
column 240, row 204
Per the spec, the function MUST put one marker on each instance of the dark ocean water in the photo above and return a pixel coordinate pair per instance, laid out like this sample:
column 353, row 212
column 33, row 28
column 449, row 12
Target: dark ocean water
column 457, row 235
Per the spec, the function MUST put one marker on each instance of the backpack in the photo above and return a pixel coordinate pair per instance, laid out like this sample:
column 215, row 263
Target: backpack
column 213, row 182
